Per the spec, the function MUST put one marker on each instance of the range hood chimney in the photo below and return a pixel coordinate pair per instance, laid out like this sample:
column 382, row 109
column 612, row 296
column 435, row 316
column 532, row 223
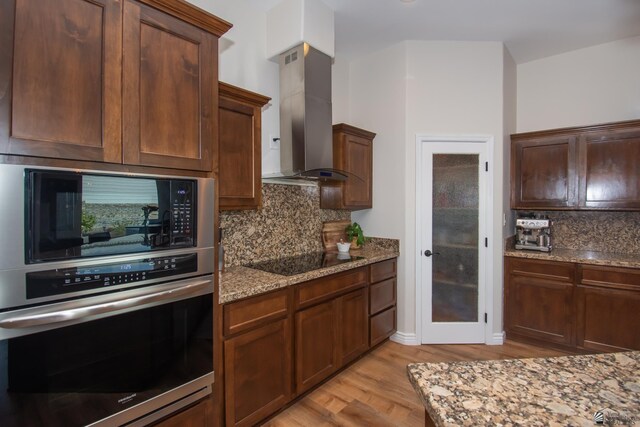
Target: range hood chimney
column 306, row 135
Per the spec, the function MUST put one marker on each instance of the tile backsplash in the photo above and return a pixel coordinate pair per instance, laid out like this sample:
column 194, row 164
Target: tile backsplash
column 289, row 223
column 599, row 231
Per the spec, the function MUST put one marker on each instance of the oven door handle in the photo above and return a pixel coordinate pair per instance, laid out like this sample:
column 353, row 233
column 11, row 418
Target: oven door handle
column 58, row 316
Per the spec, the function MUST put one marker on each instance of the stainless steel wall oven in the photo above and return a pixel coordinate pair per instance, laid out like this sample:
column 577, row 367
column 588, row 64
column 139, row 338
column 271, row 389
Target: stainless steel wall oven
column 106, row 296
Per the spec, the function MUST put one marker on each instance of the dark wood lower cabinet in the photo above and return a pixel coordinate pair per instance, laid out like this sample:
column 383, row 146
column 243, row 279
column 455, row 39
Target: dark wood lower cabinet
column 198, row 415
column 383, row 325
column 257, row 373
column 323, row 324
column 578, row 306
column 316, row 349
column 540, row 300
column 608, row 309
column 352, row 325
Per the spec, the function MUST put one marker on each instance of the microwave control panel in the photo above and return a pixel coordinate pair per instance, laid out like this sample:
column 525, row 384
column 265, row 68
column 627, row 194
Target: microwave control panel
column 65, row 280
column 183, row 213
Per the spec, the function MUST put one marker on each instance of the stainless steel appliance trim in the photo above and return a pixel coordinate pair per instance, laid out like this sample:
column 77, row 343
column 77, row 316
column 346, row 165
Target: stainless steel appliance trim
column 12, row 214
column 13, row 282
column 171, row 397
column 204, row 289
column 107, row 307
column 12, row 217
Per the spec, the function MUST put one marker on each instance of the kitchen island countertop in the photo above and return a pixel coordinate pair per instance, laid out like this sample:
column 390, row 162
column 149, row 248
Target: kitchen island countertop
column 556, row 391
column 241, row 282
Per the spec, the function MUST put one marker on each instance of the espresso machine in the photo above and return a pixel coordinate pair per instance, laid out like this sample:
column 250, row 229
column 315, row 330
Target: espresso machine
column 533, row 233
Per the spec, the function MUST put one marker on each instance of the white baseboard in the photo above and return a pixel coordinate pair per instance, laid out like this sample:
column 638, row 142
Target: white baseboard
column 496, row 339
column 405, row 339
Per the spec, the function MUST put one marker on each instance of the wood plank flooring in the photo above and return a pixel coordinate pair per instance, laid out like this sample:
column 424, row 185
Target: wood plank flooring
column 375, row 390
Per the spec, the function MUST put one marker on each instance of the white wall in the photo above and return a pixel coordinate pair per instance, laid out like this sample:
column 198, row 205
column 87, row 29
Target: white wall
column 244, row 63
column 377, row 103
column 435, row 88
column 587, row 86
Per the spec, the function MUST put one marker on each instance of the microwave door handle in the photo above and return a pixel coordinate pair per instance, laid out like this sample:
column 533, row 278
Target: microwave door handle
column 107, row 307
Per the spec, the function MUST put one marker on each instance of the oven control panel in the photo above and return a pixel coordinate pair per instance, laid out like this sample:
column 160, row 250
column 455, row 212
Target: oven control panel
column 64, row 280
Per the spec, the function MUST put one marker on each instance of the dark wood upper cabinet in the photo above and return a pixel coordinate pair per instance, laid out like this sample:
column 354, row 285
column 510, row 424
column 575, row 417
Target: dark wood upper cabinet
column 544, row 172
column 240, row 147
column 61, row 79
column 352, row 153
column 586, row 168
column 170, row 94
column 609, row 169
column 110, row 81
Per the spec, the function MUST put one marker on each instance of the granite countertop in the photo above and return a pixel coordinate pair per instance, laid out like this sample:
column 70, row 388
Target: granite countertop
column 553, row 391
column 583, row 257
column 241, row 282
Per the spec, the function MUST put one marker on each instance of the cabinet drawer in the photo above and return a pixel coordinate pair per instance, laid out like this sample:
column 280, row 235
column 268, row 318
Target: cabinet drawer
column 559, row 271
column 382, row 295
column 251, row 312
column 320, row 289
column 610, row 277
column 383, row 270
column 382, row 325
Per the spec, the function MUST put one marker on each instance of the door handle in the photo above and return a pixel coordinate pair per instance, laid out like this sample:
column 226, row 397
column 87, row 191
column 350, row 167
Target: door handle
column 46, row 318
column 428, row 253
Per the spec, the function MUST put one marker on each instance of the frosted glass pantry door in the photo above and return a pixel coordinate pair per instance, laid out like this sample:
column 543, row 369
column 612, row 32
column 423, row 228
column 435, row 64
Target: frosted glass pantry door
column 453, row 242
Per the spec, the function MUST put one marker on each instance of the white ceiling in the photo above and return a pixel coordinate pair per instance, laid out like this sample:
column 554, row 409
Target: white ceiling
column 531, row 29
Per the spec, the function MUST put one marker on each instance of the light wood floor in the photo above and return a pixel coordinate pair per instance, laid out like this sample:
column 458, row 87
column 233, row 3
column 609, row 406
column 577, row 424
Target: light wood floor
column 375, row 390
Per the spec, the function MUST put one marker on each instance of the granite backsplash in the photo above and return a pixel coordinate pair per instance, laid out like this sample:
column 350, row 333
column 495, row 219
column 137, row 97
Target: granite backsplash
column 617, row 232
column 289, row 223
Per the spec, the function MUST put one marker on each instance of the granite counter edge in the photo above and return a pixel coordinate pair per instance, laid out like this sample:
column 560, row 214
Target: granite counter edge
column 607, row 260
column 276, row 281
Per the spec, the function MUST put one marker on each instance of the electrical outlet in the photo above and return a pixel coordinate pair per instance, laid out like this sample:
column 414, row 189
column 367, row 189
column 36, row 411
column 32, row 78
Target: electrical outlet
column 274, row 142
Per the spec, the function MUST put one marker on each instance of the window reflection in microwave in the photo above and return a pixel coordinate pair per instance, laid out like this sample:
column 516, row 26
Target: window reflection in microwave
column 124, row 211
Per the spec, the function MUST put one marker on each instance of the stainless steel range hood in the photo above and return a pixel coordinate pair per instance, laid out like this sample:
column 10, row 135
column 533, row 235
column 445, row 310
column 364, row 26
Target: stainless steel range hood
column 306, row 136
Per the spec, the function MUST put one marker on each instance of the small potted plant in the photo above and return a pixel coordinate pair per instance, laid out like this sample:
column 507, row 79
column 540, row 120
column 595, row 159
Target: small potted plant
column 355, row 235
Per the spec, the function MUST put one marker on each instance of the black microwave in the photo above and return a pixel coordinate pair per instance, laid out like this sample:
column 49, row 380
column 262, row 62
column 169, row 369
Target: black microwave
column 82, row 227
column 72, row 215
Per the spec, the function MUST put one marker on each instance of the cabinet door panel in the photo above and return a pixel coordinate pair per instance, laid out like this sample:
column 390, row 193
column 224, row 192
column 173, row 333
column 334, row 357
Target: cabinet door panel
column 62, row 79
column 544, row 173
column 316, row 349
column 170, row 94
column 607, row 306
column 608, row 319
column 358, row 155
column 257, row 373
column 539, row 300
column 609, row 167
column 354, row 325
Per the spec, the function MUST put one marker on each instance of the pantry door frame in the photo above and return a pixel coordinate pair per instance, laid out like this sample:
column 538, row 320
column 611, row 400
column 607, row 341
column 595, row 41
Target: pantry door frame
column 421, row 141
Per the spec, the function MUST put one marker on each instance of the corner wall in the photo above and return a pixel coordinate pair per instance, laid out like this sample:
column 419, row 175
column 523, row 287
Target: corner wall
column 244, row 63
column 433, row 88
column 597, row 84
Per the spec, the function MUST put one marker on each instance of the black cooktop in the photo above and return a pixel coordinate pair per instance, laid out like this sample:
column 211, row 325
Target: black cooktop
column 299, row 264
